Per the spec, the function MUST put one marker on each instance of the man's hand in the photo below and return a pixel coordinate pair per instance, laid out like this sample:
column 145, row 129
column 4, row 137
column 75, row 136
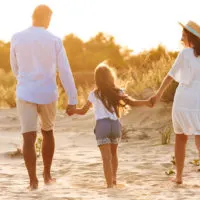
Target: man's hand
column 71, row 109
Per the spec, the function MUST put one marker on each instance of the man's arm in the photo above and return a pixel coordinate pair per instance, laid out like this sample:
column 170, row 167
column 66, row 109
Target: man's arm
column 13, row 60
column 65, row 74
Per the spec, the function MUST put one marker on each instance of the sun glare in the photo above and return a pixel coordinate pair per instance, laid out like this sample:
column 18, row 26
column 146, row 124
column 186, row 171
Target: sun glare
column 139, row 25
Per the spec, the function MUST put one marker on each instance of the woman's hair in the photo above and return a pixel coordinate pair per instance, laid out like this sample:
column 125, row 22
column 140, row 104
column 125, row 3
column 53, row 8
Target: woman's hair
column 195, row 41
column 107, row 91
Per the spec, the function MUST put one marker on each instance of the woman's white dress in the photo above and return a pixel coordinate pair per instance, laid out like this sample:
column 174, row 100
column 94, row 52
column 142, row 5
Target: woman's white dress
column 186, row 106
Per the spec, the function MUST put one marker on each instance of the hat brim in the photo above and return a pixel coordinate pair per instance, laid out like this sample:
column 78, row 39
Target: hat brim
column 190, row 30
column 181, row 24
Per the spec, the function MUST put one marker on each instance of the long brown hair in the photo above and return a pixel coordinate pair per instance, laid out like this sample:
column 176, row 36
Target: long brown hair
column 107, row 91
column 195, row 41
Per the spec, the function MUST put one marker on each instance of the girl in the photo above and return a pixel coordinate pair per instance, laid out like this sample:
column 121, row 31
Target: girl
column 107, row 100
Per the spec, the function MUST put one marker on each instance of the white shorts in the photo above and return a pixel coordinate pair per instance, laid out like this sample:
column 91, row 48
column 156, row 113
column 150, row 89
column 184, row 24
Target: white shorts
column 29, row 112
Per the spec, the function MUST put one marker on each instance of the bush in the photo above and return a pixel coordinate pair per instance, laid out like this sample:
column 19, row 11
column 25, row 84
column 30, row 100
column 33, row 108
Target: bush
column 147, row 70
column 136, row 82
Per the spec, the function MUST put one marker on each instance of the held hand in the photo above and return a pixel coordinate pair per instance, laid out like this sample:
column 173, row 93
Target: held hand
column 149, row 103
column 71, row 109
column 154, row 99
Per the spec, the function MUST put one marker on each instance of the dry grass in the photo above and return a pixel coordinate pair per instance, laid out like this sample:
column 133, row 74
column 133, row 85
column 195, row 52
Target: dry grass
column 136, row 82
column 166, row 135
column 83, row 92
column 135, row 79
column 7, row 89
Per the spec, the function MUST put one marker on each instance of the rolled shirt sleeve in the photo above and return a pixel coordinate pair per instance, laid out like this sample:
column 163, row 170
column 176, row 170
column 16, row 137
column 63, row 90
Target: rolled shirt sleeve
column 65, row 73
column 181, row 70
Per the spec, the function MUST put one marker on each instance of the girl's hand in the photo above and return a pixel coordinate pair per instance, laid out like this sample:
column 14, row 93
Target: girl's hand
column 84, row 109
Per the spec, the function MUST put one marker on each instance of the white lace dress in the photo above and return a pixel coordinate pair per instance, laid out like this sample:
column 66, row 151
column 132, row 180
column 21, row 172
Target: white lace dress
column 186, row 106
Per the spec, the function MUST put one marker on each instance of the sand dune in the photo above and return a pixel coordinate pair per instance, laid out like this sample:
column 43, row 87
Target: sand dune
column 77, row 163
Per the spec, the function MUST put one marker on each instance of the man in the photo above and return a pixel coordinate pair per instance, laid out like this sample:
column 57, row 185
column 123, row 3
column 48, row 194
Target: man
column 35, row 54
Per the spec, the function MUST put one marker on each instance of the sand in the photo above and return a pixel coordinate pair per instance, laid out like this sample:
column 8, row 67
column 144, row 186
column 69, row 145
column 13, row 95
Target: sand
column 77, row 165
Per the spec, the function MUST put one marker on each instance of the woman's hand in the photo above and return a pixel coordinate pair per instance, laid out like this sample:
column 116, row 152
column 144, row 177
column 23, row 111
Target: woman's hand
column 149, row 103
column 166, row 82
column 154, row 99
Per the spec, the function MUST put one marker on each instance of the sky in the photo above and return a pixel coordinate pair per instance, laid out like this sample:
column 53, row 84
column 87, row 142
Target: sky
column 136, row 24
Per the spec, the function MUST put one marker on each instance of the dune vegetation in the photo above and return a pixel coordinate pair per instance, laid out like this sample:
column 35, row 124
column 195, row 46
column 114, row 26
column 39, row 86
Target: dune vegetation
column 136, row 72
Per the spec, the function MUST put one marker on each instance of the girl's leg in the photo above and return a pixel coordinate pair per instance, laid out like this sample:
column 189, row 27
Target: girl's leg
column 114, row 162
column 107, row 163
column 197, row 142
column 180, row 147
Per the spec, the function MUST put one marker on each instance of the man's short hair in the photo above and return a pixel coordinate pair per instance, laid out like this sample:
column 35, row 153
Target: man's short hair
column 42, row 12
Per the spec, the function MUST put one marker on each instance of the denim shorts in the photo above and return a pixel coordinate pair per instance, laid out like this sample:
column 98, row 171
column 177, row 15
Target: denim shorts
column 107, row 131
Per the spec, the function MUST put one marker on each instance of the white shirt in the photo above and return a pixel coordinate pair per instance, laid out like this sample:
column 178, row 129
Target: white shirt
column 100, row 111
column 35, row 55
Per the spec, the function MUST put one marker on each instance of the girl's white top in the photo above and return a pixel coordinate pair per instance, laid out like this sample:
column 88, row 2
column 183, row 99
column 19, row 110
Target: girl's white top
column 100, row 111
column 186, row 107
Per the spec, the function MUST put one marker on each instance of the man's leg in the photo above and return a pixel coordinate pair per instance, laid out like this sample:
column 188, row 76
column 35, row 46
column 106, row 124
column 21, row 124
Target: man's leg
column 30, row 157
column 48, row 146
column 47, row 115
column 28, row 119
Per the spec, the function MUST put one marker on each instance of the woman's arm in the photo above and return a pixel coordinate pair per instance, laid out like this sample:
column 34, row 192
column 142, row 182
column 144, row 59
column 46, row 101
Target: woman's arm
column 84, row 109
column 166, row 82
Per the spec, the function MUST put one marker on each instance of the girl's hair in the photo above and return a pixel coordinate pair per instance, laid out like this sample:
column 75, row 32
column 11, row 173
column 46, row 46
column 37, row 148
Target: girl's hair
column 107, row 91
column 195, row 41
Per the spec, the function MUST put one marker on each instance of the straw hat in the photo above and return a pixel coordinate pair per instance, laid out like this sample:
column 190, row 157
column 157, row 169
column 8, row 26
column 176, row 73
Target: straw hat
column 192, row 27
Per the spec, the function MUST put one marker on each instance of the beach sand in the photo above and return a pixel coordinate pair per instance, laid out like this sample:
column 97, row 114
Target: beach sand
column 77, row 164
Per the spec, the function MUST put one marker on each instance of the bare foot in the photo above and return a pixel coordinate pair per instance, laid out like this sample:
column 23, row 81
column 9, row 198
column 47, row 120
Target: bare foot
column 48, row 180
column 33, row 186
column 175, row 180
column 109, row 186
column 114, row 182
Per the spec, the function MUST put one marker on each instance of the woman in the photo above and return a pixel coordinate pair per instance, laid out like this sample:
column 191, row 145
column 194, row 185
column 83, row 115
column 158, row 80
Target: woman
column 186, row 106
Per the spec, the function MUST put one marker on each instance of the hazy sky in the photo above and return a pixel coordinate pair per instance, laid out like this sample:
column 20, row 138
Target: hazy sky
column 137, row 24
